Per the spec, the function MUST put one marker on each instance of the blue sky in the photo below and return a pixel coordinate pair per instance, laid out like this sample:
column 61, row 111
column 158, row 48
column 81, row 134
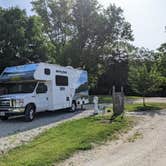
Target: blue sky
column 147, row 18
column 24, row 4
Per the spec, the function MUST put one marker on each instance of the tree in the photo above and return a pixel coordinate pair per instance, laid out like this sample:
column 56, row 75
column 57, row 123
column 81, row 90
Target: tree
column 162, row 59
column 21, row 38
column 116, row 69
column 83, row 33
column 144, row 81
column 57, row 21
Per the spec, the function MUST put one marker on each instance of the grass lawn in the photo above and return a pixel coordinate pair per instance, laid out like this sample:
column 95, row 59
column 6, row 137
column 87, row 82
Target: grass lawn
column 148, row 107
column 140, row 107
column 102, row 99
column 108, row 98
column 133, row 97
column 62, row 141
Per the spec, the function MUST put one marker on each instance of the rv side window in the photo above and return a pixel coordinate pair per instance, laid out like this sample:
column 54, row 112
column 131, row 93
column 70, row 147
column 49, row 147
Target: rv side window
column 61, row 80
column 47, row 71
column 42, row 88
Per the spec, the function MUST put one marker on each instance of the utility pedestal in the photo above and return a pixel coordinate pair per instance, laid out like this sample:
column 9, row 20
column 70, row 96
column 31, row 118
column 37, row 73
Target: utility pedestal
column 96, row 107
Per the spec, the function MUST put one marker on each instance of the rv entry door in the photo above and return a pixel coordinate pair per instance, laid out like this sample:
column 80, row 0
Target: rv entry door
column 62, row 92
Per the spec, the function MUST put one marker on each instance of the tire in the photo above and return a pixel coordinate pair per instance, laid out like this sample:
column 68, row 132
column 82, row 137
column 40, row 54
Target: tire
column 73, row 106
column 29, row 113
column 3, row 118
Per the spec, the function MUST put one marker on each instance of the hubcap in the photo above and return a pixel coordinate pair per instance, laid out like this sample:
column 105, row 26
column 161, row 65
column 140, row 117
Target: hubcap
column 31, row 114
column 73, row 107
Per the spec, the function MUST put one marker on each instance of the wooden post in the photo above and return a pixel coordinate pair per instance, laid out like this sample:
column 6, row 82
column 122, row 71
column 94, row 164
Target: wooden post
column 118, row 101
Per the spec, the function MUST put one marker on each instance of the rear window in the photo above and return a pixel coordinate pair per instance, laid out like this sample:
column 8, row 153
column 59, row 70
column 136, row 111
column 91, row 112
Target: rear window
column 61, row 80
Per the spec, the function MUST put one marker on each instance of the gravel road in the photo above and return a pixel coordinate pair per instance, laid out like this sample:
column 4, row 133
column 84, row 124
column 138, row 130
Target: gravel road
column 148, row 100
column 17, row 125
column 15, row 131
column 148, row 150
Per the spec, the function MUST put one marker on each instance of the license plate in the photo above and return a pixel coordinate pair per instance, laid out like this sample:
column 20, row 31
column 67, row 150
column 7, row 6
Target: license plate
column 2, row 113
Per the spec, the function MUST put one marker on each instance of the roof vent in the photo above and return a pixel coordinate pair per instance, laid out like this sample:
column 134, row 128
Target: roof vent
column 69, row 67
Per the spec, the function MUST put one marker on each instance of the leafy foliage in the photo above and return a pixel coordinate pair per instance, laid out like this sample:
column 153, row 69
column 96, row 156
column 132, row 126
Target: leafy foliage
column 144, row 80
column 83, row 33
column 162, row 59
column 21, row 38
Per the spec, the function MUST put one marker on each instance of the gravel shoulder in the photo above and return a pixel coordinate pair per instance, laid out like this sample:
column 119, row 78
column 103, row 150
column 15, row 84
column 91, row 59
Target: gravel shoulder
column 148, row 150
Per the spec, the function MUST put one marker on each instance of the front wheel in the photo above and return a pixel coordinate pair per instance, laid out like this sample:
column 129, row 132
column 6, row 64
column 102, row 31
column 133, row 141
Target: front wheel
column 29, row 113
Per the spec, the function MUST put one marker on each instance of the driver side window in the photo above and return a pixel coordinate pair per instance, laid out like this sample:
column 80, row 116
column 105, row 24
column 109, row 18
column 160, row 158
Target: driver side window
column 42, row 88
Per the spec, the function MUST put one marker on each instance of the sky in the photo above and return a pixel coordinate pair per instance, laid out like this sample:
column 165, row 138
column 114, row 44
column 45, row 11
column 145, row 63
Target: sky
column 147, row 18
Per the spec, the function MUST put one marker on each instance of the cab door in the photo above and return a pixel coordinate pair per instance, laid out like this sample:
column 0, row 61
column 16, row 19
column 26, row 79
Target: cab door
column 42, row 97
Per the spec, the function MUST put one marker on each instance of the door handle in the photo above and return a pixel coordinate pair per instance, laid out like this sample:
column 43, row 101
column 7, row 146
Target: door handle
column 46, row 98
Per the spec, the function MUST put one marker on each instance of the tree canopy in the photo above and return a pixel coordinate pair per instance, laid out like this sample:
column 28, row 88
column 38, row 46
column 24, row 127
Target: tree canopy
column 144, row 81
column 21, row 38
column 84, row 34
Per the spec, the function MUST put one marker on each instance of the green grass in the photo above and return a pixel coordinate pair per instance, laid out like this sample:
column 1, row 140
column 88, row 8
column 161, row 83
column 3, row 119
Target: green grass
column 61, row 142
column 102, row 99
column 105, row 99
column 148, row 107
column 139, row 107
column 108, row 98
column 133, row 97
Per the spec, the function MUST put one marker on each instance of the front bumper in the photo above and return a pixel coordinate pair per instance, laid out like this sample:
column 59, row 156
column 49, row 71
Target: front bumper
column 12, row 111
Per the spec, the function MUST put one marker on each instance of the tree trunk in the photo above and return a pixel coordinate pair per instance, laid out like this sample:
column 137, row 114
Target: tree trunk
column 144, row 104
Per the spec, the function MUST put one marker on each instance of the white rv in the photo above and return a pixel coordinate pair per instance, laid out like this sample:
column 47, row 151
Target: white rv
column 28, row 89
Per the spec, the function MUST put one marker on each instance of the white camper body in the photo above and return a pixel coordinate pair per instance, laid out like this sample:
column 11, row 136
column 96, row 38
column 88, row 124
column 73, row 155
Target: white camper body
column 42, row 87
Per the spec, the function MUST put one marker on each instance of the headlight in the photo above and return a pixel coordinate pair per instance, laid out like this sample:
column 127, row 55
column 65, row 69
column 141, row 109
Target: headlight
column 18, row 102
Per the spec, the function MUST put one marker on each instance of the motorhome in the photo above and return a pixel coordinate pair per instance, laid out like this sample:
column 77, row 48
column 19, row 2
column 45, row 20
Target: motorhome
column 32, row 88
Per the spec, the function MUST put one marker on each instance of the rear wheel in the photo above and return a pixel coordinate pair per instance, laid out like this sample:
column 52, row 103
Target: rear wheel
column 29, row 113
column 74, row 106
column 3, row 118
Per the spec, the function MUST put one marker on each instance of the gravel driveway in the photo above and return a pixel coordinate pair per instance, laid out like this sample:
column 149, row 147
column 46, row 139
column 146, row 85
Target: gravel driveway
column 16, row 125
column 148, row 150
column 15, row 131
column 148, row 100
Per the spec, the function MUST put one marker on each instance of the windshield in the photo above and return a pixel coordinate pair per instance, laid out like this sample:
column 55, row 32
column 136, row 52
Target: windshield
column 15, row 88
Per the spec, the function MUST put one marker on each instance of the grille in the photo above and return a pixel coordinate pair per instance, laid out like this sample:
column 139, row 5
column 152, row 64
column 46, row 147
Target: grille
column 4, row 103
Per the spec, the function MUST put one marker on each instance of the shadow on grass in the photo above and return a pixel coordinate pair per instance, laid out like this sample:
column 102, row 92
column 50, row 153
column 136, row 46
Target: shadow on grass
column 149, row 110
column 146, row 108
